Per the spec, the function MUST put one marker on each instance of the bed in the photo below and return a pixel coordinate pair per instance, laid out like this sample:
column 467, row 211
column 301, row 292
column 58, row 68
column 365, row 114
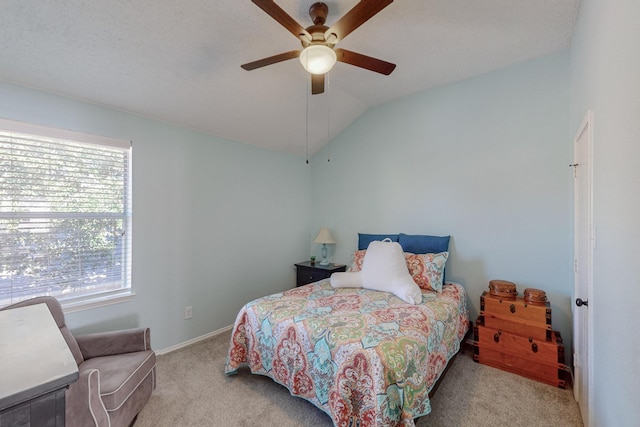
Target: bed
column 365, row 357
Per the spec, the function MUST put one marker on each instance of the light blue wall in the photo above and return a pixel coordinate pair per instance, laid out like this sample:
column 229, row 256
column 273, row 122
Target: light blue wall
column 605, row 77
column 216, row 223
column 484, row 160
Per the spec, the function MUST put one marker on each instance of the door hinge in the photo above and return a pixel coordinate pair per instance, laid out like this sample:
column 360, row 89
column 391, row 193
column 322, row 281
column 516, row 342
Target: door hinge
column 575, row 265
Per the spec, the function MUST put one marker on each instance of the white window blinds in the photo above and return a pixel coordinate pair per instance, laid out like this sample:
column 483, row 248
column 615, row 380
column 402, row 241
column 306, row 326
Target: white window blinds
column 65, row 214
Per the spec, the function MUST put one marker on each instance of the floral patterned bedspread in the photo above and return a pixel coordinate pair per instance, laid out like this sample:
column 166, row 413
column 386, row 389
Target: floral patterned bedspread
column 364, row 357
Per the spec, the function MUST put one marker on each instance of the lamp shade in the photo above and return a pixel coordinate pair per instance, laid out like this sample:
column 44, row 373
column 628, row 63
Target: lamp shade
column 324, row 237
column 318, row 59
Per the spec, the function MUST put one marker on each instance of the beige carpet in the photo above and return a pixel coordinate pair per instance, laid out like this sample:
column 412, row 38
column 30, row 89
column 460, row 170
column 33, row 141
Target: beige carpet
column 193, row 391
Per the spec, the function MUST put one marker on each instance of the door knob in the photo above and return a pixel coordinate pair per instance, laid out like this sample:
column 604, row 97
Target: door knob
column 580, row 302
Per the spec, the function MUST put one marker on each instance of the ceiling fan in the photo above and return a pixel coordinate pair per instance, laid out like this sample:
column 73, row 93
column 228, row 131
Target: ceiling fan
column 318, row 41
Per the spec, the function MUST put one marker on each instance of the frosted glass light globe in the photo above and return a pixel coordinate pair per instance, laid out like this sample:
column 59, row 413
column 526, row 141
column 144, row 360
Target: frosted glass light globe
column 318, row 59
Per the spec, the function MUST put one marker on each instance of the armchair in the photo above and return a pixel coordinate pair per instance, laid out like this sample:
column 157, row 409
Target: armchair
column 117, row 372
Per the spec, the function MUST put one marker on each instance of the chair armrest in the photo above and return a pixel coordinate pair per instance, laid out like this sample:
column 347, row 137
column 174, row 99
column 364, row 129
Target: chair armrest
column 83, row 404
column 116, row 342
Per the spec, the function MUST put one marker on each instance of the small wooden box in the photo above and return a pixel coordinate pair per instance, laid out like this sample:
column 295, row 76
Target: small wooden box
column 516, row 309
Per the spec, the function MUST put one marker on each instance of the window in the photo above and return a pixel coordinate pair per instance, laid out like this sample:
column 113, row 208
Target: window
column 65, row 215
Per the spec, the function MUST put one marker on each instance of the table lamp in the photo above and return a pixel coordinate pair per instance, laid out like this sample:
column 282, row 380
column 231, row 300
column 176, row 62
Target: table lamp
column 325, row 238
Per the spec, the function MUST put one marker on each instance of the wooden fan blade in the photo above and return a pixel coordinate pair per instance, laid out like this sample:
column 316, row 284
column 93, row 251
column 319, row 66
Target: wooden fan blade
column 317, row 84
column 364, row 61
column 358, row 15
column 271, row 60
column 277, row 13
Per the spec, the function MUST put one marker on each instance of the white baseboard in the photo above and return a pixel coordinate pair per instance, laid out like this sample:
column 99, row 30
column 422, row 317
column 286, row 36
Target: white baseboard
column 193, row 341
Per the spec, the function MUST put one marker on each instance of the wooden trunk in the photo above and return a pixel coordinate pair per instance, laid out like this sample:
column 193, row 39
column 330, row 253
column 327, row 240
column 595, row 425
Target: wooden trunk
column 533, row 358
column 516, row 309
column 547, row 374
column 537, row 331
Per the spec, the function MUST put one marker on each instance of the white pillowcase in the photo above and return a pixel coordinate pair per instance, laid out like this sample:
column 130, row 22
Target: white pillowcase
column 385, row 269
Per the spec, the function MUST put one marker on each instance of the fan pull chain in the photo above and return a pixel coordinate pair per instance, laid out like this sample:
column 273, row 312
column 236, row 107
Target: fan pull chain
column 307, row 119
column 328, row 118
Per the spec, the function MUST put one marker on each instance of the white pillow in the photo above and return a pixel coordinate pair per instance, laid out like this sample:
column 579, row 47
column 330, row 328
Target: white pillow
column 347, row 280
column 385, row 269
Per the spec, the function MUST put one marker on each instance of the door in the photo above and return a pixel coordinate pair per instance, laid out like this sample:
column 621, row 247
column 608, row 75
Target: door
column 584, row 245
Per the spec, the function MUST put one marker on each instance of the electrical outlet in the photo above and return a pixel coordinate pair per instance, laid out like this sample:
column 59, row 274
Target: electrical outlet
column 188, row 312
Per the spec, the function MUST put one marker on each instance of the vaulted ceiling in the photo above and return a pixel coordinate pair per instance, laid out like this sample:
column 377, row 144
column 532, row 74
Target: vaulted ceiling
column 179, row 61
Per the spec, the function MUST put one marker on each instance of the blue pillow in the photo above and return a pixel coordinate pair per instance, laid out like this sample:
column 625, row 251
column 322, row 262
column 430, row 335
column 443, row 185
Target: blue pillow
column 365, row 239
column 418, row 244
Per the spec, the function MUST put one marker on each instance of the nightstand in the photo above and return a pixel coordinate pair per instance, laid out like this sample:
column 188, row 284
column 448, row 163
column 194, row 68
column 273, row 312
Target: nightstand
column 307, row 273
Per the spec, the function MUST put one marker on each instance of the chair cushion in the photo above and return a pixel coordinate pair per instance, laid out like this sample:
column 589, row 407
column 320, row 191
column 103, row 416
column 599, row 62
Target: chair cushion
column 120, row 375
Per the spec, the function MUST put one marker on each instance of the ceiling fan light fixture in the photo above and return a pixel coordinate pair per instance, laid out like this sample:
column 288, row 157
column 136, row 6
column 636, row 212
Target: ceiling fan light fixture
column 318, row 59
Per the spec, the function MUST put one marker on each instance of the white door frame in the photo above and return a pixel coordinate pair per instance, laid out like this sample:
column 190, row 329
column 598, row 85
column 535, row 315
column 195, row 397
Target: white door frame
column 585, row 165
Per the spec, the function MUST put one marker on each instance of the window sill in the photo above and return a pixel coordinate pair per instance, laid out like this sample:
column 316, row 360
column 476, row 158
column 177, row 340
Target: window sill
column 96, row 301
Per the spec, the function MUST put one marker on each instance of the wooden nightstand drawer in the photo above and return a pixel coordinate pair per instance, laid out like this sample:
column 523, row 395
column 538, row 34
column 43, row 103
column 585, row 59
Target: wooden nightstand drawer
column 307, row 273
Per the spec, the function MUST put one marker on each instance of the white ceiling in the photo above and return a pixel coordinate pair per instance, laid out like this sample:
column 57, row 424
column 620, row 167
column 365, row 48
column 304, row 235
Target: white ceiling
column 179, row 61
